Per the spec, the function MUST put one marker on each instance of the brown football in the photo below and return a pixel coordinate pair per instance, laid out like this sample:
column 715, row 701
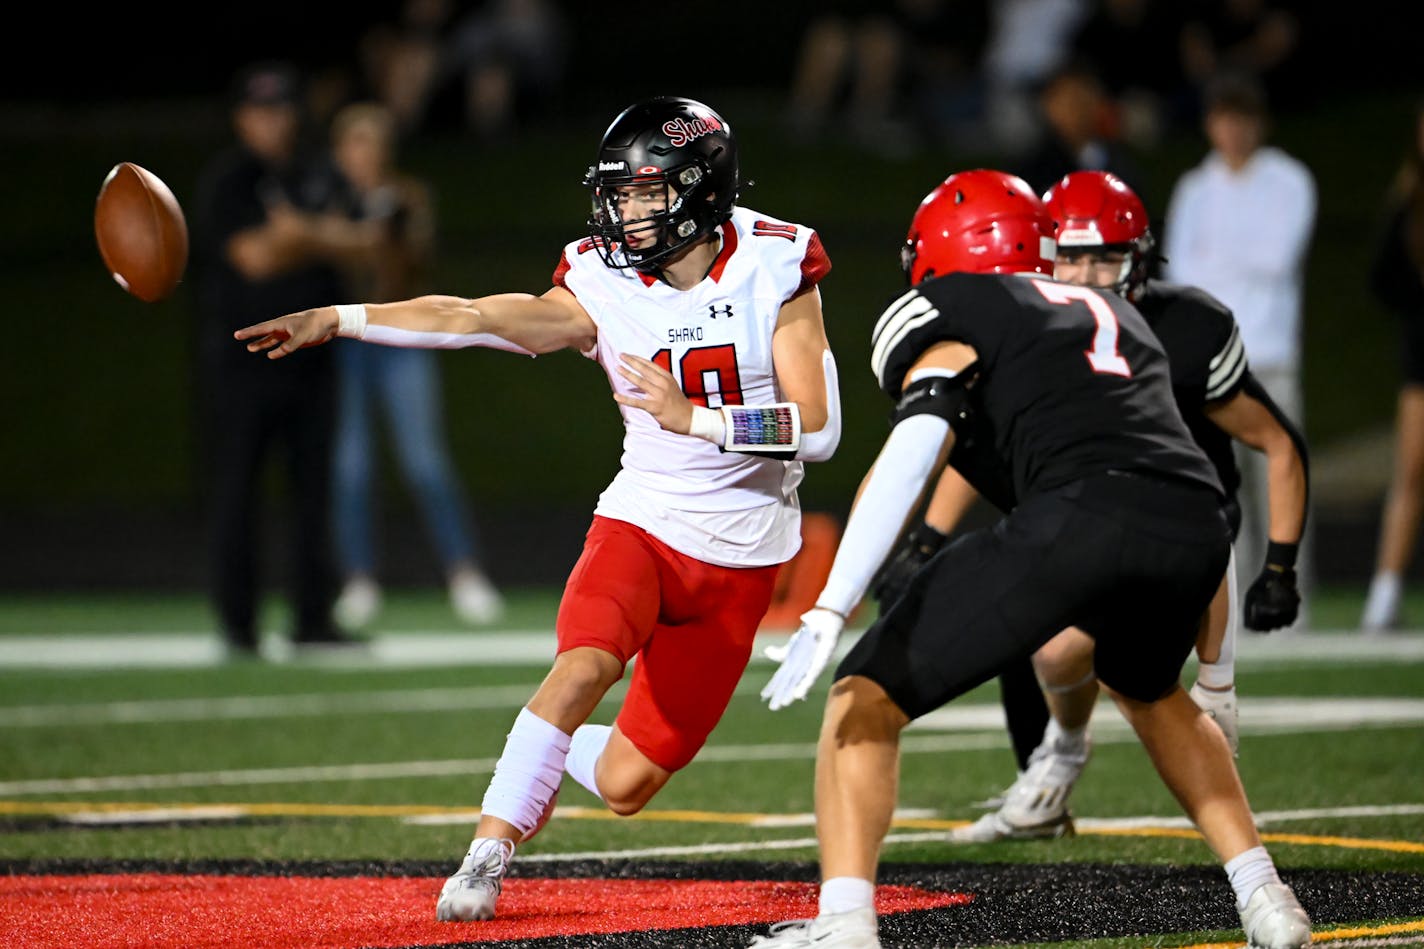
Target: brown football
column 142, row 235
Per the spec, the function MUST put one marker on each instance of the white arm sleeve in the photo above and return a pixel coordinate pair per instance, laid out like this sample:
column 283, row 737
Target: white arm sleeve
column 901, row 472
column 416, row 339
column 821, row 445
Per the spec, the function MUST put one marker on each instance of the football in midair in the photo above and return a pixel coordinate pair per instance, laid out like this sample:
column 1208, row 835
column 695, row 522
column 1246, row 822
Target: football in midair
column 142, row 235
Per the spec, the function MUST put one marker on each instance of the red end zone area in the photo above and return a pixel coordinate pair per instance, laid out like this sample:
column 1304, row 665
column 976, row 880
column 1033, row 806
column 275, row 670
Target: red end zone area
column 160, row 911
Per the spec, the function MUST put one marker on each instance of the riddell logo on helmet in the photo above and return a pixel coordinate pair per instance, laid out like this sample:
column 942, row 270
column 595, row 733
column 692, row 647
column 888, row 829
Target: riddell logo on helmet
column 1077, row 236
column 681, row 131
column 611, row 165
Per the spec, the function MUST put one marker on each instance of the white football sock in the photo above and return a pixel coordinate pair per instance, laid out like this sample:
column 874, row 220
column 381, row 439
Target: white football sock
column 528, row 773
column 1071, row 742
column 843, row 894
column 1249, row 870
column 588, row 743
column 1220, row 675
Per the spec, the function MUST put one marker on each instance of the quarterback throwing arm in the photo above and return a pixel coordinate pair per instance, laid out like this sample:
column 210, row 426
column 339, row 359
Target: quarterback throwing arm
column 515, row 322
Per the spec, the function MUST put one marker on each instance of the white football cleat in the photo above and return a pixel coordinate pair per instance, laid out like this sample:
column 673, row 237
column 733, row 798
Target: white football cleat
column 1221, row 706
column 471, row 893
column 1274, row 919
column 992, row 828
column 1040, row 795
column 856, row 929
column 1035, row 806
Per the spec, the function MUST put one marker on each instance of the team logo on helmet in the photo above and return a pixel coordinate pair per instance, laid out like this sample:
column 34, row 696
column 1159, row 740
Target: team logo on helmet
column 680, row 131
column 1084, row 235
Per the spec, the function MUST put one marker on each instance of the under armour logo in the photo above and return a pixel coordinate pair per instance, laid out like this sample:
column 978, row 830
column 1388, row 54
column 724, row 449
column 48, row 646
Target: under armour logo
column 715, row 311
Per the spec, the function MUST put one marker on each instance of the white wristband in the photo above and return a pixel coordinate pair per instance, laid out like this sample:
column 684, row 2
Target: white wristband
column 708, row 424
column 351, row 320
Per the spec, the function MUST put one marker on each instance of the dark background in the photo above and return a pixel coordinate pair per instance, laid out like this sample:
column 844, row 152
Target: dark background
column 98, row 485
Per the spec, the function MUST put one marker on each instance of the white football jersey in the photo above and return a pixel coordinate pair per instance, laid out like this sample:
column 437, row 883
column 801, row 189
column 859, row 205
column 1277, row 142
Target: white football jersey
column 721, row 507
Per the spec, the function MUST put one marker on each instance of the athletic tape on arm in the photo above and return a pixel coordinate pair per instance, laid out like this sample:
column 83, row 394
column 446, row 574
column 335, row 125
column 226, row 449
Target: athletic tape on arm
column 893, row 491
column 773, row 430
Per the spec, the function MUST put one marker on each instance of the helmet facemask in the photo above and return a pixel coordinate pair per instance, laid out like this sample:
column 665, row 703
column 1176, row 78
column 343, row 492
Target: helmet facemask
column 1137, row 256
column 686, row 217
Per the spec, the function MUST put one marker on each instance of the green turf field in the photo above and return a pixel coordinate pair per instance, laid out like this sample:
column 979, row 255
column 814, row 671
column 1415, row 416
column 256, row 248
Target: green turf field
column 124, row 737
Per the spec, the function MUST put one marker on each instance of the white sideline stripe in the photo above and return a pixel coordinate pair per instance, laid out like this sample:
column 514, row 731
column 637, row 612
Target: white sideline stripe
column 267, row 706
column 697, row 850
column 979, row 727
column 1256, row 715
column 200, row 779
column 406, row 769
column 188, row 649
column 769, row 820
column 1262, row 819
column 156, row 815
column 509, row 647
column 932, row 836
column 1259, row 714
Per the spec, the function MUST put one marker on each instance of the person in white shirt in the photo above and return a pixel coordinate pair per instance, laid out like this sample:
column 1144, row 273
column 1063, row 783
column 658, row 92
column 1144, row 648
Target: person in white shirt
column 706, row 318
column 1239, row 226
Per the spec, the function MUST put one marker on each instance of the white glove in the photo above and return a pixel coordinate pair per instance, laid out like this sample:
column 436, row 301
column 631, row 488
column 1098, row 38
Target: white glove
column 803, row 658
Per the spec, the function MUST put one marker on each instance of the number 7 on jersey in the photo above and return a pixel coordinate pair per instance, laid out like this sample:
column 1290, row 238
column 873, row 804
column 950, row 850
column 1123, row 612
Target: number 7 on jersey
column 1103, row 357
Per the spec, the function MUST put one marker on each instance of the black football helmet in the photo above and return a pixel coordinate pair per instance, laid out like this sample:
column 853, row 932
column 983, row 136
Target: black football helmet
column 677, row 143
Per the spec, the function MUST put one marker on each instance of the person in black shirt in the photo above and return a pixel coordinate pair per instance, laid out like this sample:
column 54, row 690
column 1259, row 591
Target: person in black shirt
column 1104, row 241
column 1117, row 528
column 1078, row 130
column 263, row 247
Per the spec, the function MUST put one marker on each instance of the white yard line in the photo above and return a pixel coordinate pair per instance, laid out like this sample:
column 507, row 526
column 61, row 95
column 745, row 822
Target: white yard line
column 304, row 705
column 513, row 647
column 963, row 728
column 407, row 769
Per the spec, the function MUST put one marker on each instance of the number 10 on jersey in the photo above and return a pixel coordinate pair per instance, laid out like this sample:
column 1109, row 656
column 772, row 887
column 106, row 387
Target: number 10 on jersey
column 708, row 374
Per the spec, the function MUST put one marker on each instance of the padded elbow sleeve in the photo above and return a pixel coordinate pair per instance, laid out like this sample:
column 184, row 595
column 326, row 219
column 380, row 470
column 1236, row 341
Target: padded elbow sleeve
column 821, row 445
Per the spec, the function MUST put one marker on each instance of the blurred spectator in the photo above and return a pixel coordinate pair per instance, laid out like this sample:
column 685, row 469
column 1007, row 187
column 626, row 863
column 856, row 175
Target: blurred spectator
column 1397, row 280
column 266, row 240
column 396, row 212
column 1078, row 132
column 1239, row 226
column 502, row 58
column 1028, row 40
column 1134, row 47
column 888, row 71
column 1259, row 38
column 950, row 39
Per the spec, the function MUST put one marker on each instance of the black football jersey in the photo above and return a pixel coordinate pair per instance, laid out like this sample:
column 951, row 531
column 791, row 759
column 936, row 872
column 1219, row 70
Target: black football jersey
column 1208, row 362
column 1071, row 381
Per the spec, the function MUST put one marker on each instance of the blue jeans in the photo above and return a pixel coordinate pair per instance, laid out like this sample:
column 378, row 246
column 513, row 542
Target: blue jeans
column 405, row 383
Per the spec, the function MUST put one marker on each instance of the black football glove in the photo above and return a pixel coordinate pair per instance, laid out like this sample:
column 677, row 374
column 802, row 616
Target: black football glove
column 1273, row 600
column 919, row 545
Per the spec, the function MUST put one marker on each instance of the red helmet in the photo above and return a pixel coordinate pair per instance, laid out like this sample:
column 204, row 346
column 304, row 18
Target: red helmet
column 979, row 221
column 1096, row 209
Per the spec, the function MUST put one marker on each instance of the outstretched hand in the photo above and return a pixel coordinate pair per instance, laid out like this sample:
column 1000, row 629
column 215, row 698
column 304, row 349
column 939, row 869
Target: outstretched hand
column 803, row 658
column 662, row 397
column 287, row 334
